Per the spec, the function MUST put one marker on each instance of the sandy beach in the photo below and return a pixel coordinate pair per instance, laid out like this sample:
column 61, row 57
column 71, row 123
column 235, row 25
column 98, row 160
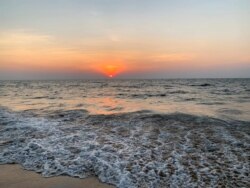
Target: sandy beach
column 14, row 176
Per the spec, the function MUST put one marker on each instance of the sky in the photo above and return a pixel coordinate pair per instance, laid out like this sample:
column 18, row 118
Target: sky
column 45, row 39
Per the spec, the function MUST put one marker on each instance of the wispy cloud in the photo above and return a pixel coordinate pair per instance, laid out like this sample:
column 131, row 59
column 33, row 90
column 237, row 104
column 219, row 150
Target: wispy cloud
column 21, row 38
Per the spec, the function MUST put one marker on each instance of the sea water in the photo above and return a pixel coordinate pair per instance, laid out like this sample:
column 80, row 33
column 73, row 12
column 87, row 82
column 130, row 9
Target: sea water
column 130, row 133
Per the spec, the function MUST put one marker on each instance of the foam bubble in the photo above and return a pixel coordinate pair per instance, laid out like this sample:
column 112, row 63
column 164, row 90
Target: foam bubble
column 139, row 149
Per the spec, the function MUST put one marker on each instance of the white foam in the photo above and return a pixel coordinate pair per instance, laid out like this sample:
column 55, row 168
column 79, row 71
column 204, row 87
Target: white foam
column 138, row 149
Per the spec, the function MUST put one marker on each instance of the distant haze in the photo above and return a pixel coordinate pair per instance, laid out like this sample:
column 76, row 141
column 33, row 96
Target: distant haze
column 82, row 39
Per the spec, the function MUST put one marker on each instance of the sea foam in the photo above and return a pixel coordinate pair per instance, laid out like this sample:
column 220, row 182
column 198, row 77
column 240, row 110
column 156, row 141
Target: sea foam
column 137, row 149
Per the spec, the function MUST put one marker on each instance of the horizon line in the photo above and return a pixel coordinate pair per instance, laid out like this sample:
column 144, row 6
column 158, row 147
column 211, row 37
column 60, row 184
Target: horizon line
column 110, row 79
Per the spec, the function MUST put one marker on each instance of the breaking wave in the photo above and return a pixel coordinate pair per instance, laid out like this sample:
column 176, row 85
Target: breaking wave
column 137, row 149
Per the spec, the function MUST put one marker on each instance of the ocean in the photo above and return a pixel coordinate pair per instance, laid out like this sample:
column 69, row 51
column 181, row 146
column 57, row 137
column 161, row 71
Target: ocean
column 130, row 133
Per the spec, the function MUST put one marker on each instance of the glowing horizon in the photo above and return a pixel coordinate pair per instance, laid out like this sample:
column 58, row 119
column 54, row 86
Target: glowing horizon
column 125, row 38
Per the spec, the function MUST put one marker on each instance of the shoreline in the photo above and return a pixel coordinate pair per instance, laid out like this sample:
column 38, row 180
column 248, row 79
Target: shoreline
column 14, row 176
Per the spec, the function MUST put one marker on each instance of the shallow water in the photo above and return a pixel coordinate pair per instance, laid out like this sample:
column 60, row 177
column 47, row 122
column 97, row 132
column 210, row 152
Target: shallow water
column 131, row 133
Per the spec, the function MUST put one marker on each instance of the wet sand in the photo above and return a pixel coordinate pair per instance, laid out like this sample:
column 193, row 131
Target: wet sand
column 14, row 176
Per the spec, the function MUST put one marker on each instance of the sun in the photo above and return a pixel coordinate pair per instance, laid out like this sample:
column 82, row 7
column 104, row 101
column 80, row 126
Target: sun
column 110, row 70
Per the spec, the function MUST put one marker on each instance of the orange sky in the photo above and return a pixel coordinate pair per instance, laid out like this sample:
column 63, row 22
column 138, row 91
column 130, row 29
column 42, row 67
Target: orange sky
column 29, row 51
column 126, row 40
